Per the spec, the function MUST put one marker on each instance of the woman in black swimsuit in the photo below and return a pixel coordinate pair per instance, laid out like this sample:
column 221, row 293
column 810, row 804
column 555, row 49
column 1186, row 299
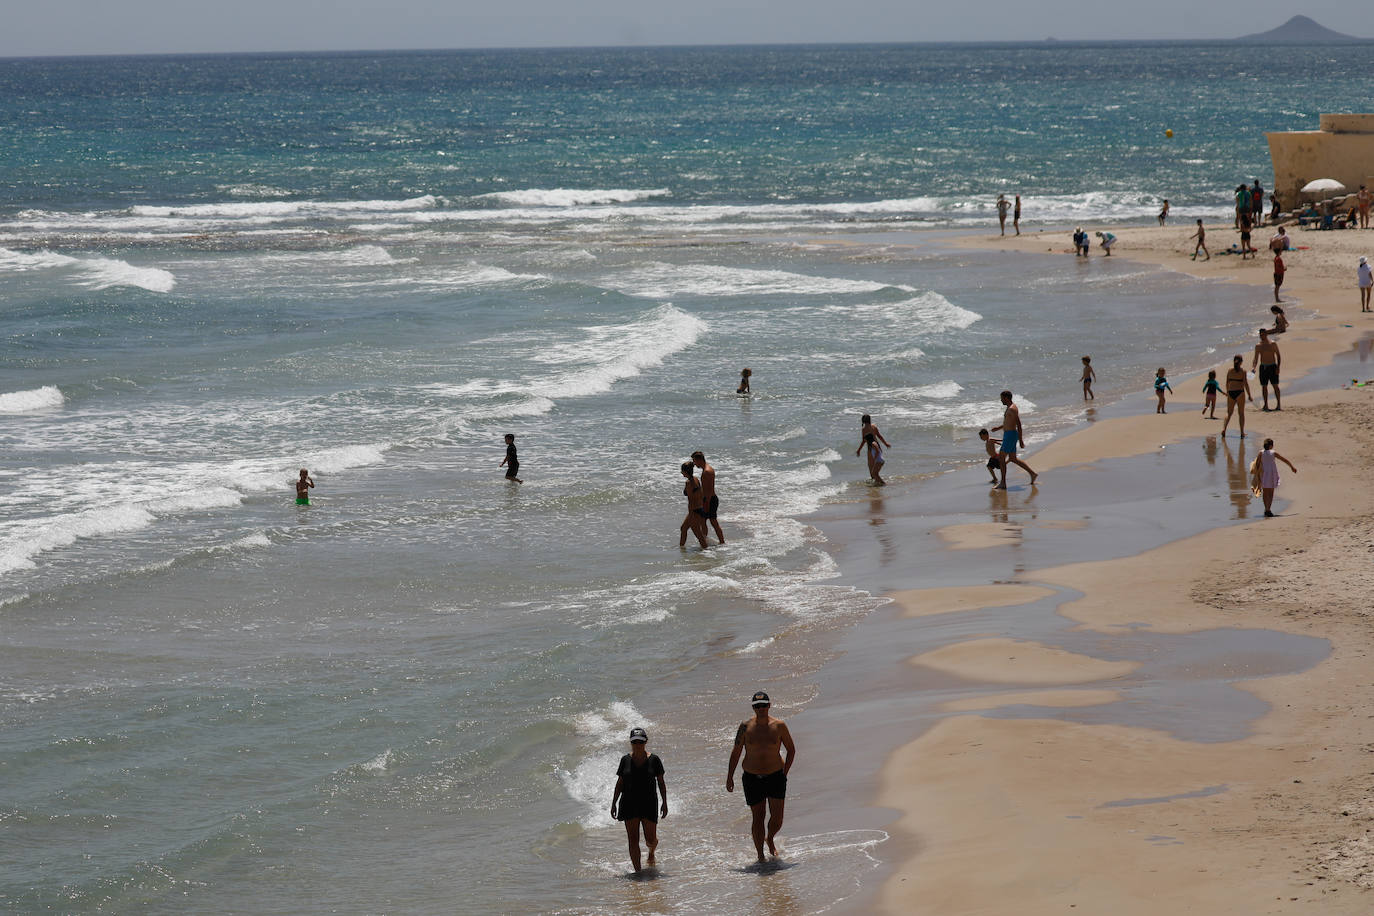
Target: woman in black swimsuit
column 696, row 516
column 1237, row 386
column 638, row 785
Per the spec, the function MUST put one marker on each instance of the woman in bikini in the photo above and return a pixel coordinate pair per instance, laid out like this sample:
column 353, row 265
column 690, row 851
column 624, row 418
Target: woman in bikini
column 1237, row 387
column 870, row 436
column 696, row 516
column 1280, row 321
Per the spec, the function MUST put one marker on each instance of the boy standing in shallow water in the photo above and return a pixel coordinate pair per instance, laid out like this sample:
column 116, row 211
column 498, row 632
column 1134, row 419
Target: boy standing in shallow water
column 1161, row 385
column 303, row 486
column 511, row 463
column 994, row 462
column 1089, row 376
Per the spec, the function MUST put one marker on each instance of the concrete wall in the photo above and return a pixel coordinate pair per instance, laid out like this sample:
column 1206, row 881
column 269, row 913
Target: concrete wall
column 1343, row 149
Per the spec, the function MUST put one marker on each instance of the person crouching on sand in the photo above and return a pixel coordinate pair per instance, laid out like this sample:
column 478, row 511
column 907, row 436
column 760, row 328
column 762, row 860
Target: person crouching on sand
column 870, row 436
column 303, row 486
column 695, row 521
column 638, row 785
column 1161, row 385
column 1269, row 474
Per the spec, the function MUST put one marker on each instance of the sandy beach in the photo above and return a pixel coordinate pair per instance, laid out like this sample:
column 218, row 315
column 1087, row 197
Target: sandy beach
column 1037, row 814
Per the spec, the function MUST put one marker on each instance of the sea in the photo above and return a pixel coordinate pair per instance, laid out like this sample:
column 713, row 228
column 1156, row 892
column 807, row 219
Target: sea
column 411, row 695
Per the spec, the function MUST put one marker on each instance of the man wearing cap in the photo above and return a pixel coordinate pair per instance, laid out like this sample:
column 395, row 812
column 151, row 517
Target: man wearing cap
column 760, row 740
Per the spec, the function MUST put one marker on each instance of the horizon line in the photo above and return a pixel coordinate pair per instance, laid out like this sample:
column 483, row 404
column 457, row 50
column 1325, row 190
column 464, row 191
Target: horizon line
column 1050, row 41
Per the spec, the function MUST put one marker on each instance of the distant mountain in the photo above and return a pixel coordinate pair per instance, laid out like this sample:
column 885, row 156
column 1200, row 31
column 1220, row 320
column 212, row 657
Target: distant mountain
column 1300, row 29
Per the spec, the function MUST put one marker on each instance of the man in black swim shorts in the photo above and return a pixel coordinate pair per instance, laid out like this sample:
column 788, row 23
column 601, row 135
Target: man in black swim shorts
column 760, row 740
column 710, row 502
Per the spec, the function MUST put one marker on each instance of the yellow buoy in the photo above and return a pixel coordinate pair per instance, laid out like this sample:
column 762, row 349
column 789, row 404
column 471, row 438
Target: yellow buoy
column 1169, row 133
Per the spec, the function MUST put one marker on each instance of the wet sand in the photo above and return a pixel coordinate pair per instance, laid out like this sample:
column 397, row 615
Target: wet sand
column 1122, row 690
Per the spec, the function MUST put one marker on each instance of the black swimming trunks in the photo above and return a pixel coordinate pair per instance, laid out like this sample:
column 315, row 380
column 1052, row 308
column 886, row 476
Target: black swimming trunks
column 994, row 464
column 757, row 788
column 710, row 513
column 1269, row 373
column 512, row 469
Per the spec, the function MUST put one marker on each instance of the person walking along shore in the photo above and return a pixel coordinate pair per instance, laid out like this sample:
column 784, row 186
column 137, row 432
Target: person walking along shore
column 761, row 741
column 638, row 786
column 1012, row 439
column 1237, row 387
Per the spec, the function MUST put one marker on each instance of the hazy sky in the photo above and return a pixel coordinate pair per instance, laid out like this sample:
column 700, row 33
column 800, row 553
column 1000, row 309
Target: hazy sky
column 44, row 27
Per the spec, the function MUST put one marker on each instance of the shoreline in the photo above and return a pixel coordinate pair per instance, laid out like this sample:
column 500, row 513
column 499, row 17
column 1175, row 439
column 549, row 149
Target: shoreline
column 1154, row 795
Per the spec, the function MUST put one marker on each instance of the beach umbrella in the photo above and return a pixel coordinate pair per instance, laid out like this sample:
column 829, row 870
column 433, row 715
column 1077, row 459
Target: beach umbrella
column 1322, row 185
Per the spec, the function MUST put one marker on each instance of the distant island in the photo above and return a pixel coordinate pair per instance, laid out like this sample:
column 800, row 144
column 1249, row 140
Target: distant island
column 1300, row 29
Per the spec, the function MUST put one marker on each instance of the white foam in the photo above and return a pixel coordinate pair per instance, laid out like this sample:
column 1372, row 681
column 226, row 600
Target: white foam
column 252, row 541
column 660, row 281
column 95, row 273
column 32, row 538
column 757, row 646
column 617, row 352
column 939, row 390
column 46, row 398
column 103, row 273
column 287, row 208
column 345, row 457
column 569, row 197
column 380, row 763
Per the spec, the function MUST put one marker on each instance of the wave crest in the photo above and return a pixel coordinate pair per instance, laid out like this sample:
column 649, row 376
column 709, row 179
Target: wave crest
column 45, row 398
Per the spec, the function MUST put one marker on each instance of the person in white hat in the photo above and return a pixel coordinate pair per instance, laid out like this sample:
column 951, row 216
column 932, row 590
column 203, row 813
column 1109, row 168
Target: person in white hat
column 1366, row 280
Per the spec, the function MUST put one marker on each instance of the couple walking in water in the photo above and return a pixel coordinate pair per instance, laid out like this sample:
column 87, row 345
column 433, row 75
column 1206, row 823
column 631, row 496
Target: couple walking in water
column 702, row 501
column 641, row 793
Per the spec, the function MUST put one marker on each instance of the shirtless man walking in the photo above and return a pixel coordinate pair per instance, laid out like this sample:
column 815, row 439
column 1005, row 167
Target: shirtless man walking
column 1267, row 358
column 1012, row 438
column 710, row 502
column 765, row 771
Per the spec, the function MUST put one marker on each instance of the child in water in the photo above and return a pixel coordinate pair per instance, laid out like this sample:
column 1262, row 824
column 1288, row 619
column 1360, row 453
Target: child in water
column 1161, row 385
column 744, row 381
column 511, row 463
column 1089, row 376
column 303, row 485
column 994, row 460
column 1209, row 394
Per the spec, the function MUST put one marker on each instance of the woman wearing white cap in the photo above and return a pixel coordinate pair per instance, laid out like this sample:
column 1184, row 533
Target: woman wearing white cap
column 1366, row 279
column 638, row 785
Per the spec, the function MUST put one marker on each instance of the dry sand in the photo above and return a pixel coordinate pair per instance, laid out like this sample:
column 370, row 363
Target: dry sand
column 1042, row 816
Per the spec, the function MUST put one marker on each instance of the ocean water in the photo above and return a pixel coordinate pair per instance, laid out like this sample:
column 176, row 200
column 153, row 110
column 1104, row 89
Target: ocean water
column 411, row 695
